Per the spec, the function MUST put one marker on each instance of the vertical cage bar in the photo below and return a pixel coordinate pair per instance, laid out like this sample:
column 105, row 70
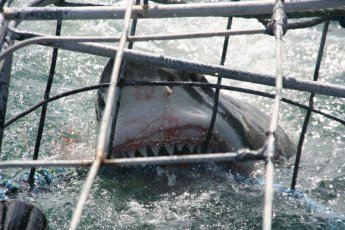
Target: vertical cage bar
column 5, row 72
column 217, row 92
column 311, row 104
column 44, row 107
column 2, row 3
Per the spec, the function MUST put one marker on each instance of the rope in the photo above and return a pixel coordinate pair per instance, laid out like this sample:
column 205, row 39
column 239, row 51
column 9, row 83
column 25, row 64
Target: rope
column 311, row 105
column 306, row 23
column 294, row 25
column 309, row 204
column 318, row 13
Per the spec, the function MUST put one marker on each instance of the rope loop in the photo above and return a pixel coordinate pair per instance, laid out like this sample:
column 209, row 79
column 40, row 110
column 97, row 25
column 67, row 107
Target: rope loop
column 278, row 18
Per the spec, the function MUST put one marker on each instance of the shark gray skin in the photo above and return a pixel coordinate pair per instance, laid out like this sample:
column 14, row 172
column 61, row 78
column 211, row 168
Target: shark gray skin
column 162, row 120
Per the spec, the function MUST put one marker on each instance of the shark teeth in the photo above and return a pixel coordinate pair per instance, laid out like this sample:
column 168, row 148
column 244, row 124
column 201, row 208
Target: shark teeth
column 195, row 149
column 179, row 147
column 170, row 150
column 142, row 152
column 155, row 150
column 151, row 151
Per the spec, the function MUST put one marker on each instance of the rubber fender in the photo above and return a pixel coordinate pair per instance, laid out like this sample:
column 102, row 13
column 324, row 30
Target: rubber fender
column 19, row 215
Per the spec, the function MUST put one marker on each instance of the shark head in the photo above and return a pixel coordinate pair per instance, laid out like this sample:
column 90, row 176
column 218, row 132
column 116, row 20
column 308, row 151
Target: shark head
column 172, row 120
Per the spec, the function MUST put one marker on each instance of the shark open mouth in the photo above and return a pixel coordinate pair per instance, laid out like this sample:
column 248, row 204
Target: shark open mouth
column 176, row 141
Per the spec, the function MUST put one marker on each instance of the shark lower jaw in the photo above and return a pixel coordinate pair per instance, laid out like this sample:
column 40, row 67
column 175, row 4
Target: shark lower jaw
column 178, row 141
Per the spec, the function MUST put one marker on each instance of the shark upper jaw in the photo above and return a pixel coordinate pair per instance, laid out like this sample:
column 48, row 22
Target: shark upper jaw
column 174, row 141
column 176, row 136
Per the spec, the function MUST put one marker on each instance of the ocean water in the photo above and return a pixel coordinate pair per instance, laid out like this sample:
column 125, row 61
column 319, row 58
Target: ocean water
column 205, row 197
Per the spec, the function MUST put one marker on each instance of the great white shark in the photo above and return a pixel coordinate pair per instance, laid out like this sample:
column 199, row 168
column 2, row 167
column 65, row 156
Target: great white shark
column 163, row 120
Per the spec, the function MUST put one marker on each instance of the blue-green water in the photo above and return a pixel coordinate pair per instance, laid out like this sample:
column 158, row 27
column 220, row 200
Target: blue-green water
column 207, row 198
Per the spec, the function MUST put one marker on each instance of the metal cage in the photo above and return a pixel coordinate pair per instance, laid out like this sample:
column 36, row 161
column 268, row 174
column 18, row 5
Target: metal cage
column 271, row 14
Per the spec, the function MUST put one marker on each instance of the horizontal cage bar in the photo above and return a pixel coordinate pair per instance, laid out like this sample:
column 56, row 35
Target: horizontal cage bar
column 122, row 162
column 296, row 9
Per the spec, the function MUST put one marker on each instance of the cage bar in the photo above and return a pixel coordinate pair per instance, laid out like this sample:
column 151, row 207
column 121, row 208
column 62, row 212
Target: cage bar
column 243, row 155
column 181, row 64
column 254, row 9
column 226, row 9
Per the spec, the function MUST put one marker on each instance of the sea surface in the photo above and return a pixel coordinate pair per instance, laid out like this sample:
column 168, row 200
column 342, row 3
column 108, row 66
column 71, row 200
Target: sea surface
column 205, row 197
